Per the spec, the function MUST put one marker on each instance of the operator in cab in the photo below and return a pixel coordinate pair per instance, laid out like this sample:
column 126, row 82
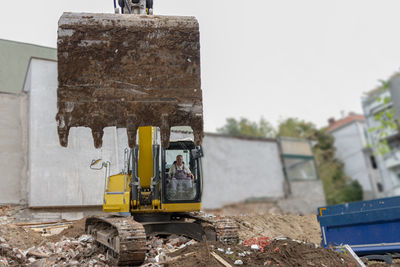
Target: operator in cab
column 179, row 170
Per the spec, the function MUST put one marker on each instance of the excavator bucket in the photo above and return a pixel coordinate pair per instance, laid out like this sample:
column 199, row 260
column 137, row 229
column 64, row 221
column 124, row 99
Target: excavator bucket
column 128, row 71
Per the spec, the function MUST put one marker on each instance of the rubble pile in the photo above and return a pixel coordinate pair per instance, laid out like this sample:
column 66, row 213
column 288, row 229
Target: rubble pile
column 258, row 243
column 159, row 248
column 275, row 252
column 266, row 240
column 283, row 252
column 73, row 252
column 6, row 214
column 79, row 251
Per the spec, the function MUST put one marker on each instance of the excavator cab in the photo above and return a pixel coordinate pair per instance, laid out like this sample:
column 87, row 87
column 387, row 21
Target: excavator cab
column 146, row 183
column 182, row 190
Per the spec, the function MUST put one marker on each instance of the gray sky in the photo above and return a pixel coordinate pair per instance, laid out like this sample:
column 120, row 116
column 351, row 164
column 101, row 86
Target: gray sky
column 285, row 58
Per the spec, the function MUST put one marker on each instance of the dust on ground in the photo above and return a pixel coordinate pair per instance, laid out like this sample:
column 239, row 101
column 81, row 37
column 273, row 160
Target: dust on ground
column 19, row 237
column 250, row 208
column 74, row 230
column 287, row 240
column 305, row 228
column 266, row 219
column 277, row 253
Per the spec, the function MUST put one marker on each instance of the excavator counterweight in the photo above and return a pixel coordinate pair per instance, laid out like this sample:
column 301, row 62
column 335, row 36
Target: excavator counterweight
column 128, row 71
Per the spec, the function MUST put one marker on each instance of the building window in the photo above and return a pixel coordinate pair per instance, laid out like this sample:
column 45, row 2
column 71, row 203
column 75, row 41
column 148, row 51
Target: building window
column 300, row 168
column 298, row 159
column 373, row 162
column 380, row 187
column 395, row 173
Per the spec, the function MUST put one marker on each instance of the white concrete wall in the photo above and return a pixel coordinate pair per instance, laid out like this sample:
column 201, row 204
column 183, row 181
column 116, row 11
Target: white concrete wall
column 61, row 176
column 350, row 142
column 13, row 148
column 306, row 196
column 239, row 169
column 235, row 169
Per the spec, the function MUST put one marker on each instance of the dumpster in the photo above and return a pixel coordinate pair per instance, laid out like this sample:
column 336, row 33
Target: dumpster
column 369, row 227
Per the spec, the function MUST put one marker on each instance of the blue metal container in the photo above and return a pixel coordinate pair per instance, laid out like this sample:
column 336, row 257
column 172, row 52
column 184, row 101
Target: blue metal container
column 369, row 227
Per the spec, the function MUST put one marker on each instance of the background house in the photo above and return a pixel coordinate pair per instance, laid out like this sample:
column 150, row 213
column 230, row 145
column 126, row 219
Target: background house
column 387, row 163
column 351, row 142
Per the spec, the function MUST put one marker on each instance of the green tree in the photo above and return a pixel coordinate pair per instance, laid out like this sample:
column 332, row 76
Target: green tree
column 245, row 127
column 387, row 122
column 338, row 187
column 293, row 127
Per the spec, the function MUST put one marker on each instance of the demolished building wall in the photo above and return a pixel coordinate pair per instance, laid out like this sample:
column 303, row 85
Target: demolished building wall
column 13, row 147
column 237, row 169
column 60, row 176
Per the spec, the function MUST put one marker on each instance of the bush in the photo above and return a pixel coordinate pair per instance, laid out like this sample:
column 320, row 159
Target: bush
column 352, row 192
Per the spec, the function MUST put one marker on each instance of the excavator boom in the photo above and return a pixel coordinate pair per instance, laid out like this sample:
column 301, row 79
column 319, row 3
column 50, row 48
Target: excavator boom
column 128, row 71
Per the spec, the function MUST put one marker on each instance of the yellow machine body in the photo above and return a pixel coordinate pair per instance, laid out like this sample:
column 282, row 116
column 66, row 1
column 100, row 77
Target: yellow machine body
column 145, row 162
column 117, row 194
column 113, row 201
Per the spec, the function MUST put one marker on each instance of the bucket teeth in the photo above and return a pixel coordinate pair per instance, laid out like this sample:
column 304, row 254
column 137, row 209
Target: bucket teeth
column 128, row 71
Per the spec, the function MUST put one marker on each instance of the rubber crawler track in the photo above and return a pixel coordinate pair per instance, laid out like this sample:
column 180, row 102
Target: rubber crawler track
column 127, row 245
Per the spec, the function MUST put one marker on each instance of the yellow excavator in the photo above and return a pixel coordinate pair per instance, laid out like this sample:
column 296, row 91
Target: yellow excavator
column 141, row 72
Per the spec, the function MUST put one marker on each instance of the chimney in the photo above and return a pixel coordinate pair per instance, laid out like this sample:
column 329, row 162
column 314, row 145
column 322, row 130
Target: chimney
column 331, row 121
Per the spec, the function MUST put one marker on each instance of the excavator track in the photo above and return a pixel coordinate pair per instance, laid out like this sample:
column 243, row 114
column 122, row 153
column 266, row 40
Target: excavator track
column 123, row 238
column 226, row 230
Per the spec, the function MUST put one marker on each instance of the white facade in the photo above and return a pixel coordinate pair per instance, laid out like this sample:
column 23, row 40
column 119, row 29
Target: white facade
column 351, row 148
column 13, row 147
column 61, row 176
column 239, row 169
column 388, row 164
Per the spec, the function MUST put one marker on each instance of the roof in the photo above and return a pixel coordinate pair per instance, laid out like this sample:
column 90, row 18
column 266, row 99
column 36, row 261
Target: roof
column 345, row 121
column 14, row 63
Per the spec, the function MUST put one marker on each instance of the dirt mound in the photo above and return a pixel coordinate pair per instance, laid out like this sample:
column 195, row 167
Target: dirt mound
column 197, row 255
column 277, row 253
column 305, row 228
column 291, row 253
column 255, row 208
column 75, row 230
column 19, row 237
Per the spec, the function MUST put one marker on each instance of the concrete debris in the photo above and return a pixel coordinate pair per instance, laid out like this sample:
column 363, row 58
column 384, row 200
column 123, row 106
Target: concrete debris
column 70, row 251
column 85, row 238
column 75, row 248
column 151, row 265
column 255, row 247
column 258, row 243
column 160, row 247
column 229, row 251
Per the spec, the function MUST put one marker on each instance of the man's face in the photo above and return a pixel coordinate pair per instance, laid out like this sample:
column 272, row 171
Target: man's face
column 179, row 160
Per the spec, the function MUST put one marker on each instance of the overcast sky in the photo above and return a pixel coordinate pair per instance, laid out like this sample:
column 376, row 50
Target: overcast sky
column 309, row 59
